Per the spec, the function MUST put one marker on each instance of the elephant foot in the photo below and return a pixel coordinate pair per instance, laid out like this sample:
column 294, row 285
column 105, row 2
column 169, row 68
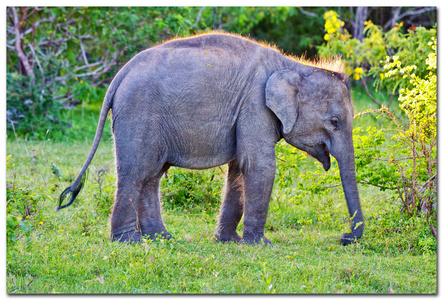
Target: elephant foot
column 255, row 240
column 350, row 238
column 131, row 237
column 153, row 235
column 347, row 239
column 227, row 237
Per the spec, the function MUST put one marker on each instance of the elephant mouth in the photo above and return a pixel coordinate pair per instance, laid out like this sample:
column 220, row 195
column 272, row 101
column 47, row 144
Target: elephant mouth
column 321, row 153
column 326, row 162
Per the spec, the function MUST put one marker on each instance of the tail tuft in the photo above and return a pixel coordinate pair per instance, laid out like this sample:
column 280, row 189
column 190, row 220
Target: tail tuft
column 65, row 194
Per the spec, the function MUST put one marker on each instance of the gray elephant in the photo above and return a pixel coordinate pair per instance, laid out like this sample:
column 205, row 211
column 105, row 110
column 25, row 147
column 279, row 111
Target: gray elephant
column 217, row 99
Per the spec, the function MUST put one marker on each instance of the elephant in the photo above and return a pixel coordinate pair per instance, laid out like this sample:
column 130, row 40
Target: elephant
column 214, row 99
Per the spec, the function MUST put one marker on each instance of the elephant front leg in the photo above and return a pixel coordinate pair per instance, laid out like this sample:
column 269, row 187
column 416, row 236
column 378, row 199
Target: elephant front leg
column 258, row 182
column 231, row 209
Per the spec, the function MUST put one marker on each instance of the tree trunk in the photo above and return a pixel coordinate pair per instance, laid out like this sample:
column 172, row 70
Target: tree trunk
column 361, row 14
column 19, row 47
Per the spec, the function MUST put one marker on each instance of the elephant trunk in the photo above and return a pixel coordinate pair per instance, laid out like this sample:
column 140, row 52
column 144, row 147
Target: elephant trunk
column 346, row 164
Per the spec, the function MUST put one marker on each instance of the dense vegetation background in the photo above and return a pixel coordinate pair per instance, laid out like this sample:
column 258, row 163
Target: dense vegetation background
column 59, row 64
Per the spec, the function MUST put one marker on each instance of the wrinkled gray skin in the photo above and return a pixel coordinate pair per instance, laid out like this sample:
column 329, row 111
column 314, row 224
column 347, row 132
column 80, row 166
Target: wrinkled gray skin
column 218, row 99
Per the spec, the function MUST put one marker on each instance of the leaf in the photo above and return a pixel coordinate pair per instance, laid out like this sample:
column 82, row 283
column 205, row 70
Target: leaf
column 353, row 216
column 358, row 225
column 56, row 171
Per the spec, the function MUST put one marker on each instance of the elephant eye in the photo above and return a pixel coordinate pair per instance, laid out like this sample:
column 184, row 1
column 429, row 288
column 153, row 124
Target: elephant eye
column 334, row 123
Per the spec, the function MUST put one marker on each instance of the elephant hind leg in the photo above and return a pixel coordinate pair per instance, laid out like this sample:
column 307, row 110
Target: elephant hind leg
column 138, row 165
column 137, row 210
column 149, row 208
column 124, row 218
column 232, row 207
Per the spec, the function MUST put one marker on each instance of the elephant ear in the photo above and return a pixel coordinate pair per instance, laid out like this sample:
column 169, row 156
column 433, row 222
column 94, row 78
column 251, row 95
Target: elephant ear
column 282, row 90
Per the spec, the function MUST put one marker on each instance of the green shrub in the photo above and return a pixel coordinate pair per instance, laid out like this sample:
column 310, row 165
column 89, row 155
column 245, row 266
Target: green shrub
column 193, row 190
column 290, row 163
column 367, row 57
column 402, row 156
column 418, row 138
column 103, row 183
column 31, row 110
column 23, row 206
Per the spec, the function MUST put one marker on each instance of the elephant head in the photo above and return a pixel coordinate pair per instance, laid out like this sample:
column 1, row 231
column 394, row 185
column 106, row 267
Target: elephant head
column 316, row 116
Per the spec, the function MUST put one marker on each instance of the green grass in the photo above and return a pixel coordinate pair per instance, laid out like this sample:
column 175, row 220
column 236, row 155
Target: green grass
column 70, row 252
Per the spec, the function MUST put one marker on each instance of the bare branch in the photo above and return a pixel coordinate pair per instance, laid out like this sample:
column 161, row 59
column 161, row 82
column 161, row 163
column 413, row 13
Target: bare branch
column 67, row 96
column 361, row 14
column 308, row 13
column 394, row 18
column 411, row 12
column 434, row 231
column 38, row 61
column 12, row 47
column 16, row 290
column 93, row 73
column 101, row 70
column 98, row 83
column 29, row 30
column 60, row 41
column 199, row 16
column 110, row 64
column 88, row 66
column 363, row 80
column 380, row 159
column 84, row 54
column 331, row 186
column 415, row 12
column 423, row 187
column 390, row 100
column 18, row 46
column 10, row 64
column 222, row 170
column 42, row 178
column 12, row 278
column 376, row 185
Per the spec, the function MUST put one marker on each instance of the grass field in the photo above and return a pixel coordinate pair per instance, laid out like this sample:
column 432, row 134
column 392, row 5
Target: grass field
column 70, row 252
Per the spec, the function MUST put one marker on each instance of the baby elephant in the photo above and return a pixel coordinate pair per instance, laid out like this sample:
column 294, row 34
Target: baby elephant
column 217, row 99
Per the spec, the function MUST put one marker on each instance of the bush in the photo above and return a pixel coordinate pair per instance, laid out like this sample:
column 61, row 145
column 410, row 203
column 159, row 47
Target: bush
column 22, row 209
column 193, row 190
column 32, row 110
column 289, row 167
column 104, row 184
column 419, row 138
column 367, row 57
column 402, row 156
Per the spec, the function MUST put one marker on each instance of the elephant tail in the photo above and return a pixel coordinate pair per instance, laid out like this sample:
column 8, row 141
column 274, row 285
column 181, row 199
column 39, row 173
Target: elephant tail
column 74, row 189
